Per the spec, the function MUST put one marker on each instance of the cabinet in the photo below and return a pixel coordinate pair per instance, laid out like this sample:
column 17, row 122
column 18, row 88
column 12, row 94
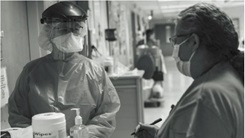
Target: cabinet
column 129, row 89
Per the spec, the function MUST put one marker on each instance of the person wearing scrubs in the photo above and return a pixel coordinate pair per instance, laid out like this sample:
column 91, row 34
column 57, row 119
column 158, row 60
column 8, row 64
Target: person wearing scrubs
column 205, row 48
column 64, row 79
column 150, row 38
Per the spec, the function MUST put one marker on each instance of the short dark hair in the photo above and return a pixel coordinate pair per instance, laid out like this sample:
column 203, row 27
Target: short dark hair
column 149, row 32
column 213, row 26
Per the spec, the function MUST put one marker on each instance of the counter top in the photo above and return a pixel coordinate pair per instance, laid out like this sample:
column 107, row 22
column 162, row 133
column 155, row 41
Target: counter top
column 129, row 74
column 129, row 89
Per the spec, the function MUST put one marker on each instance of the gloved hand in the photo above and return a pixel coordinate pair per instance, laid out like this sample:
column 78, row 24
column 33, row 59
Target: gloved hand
column 146, row 131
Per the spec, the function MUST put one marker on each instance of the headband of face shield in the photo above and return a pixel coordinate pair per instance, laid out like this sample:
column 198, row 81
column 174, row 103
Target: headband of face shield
column 66, row 36
column 63, row 11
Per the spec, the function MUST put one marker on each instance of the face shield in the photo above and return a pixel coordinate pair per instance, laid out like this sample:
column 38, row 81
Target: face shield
column 63, row 21
column 53, row 30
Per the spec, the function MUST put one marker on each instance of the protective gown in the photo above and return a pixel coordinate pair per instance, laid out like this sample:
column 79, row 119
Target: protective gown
column 48, row 85
column 212, row 107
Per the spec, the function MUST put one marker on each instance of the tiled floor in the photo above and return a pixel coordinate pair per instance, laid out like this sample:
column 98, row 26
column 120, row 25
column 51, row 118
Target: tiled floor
column 175, row 85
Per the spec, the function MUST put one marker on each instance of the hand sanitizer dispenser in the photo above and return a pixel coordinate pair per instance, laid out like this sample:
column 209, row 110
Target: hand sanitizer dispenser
column 78, row 130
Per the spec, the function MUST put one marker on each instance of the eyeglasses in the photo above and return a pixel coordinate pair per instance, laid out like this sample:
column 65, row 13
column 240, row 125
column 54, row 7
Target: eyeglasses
column 173, row 38
column 77, row 28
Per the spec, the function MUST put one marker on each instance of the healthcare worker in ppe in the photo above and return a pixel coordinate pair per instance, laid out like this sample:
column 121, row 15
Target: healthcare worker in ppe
column 206, row 49
column 65, row 79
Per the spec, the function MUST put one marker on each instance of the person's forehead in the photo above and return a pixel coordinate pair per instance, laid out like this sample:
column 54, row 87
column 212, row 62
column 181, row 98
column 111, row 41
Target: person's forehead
column 177, row 28
column 180, row 28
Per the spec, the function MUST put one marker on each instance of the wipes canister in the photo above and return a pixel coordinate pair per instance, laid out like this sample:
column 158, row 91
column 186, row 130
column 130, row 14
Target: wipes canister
column 49, row 125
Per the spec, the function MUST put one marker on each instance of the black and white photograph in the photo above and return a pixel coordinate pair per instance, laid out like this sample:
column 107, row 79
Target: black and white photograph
column 122, row 68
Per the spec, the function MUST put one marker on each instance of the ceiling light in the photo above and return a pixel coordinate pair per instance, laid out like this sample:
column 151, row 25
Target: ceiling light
column 149, row 17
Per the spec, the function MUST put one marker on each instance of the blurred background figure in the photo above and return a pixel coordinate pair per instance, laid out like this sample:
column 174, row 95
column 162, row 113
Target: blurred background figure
column 151, row 60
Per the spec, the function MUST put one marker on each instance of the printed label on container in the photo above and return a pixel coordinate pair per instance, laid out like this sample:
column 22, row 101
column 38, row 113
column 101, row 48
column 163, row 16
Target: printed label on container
column 54, row 134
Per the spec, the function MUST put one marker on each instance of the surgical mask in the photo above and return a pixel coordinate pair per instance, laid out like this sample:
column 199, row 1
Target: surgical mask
column 183, row 66
column 69, row 43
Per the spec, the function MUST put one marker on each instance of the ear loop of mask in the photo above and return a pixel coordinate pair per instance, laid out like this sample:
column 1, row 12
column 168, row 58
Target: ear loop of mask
column 175, row 53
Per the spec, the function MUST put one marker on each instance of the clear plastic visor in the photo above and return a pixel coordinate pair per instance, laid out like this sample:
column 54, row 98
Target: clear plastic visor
column 77, row 28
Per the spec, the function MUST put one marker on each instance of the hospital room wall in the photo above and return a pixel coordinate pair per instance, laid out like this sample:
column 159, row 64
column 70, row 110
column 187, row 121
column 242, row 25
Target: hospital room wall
column 14, row 44
column 15, row 41
column 237, row 12
column 20, row 26
column 20, row 23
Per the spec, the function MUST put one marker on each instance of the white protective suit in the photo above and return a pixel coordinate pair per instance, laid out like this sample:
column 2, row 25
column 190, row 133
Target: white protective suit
column 212, row 107
column 48, row 85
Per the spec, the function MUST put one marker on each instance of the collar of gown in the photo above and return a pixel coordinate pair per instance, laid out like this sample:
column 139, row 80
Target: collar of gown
column 73, row 58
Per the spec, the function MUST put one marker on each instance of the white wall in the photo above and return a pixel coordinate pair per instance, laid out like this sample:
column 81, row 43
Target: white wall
column 14, row 45
column 237, row 12
column 98, row 23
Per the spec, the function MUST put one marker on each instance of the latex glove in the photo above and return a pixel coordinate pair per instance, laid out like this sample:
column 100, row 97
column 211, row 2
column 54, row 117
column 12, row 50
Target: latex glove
column 146, row 131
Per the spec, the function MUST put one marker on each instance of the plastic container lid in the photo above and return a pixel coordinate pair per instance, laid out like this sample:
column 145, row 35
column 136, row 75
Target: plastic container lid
column 46, row 121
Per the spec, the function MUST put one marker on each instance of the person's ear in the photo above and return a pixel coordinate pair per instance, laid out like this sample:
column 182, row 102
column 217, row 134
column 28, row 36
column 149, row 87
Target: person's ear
column 196, row 41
